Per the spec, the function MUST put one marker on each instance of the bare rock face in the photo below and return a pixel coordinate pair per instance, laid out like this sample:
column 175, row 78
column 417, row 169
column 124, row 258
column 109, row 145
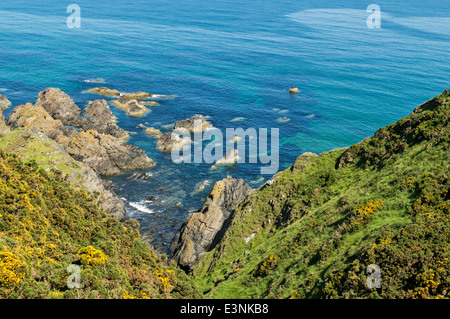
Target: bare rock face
column 106, row 154
column 4, row 103
column 102, row 119
column 203, row 229
column 36, row 118
column 110, row 202
column 60, row 106
column 4, row 129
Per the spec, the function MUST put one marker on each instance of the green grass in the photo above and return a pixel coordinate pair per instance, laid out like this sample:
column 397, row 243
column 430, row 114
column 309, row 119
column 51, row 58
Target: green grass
column 323, row 254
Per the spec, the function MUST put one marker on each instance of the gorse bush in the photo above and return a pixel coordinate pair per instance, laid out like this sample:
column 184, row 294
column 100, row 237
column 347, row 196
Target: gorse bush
column 46, row 225
column 91, row 256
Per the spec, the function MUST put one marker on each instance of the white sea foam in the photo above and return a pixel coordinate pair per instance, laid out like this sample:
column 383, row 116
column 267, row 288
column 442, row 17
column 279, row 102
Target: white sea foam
column 140, row 207
column 162, row 96
column 96, row 80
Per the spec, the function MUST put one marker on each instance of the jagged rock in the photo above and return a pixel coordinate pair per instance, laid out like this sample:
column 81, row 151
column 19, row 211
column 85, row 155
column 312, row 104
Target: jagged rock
column 189, row 124
column 102, row 119
column 37, row 118
column 133, row 107
column 106, row 154
column 171, row 141
column 204, row 228
column 60, row 106
column 4, row 103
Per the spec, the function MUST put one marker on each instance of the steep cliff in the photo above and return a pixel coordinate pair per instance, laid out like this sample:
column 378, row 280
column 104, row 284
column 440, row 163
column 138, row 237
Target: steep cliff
column 202, row 229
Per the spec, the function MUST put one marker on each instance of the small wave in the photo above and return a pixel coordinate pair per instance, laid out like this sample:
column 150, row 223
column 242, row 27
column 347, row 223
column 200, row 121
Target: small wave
column 140, row 207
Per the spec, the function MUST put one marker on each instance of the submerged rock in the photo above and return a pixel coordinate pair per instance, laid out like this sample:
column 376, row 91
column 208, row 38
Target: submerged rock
column 204, row 228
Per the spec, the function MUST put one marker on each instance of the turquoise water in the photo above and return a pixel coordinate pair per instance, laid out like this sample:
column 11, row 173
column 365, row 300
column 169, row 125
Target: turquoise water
column 227, row 59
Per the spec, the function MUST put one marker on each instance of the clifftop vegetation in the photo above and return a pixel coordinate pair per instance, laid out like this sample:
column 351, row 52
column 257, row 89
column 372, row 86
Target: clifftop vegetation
column 47, row 225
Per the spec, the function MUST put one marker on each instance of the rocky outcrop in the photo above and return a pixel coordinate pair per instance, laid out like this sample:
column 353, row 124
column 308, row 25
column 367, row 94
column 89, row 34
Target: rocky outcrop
column 104, row 153
column 29, row 144
column 60, row 106
column 102, row 119
column 4, row 103
column 98, row 141
column 197, row 123
column 132, row 107
column 204, row 228
column 139, row 95
column 105, row 91
column 293, row 90
column 36, row 118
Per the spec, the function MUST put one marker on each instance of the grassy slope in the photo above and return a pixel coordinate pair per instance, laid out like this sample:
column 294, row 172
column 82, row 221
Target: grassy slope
column 321, row 224
column 46, row 225
column 40, row 148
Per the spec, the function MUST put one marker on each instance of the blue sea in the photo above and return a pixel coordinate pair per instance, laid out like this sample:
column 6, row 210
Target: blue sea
column 227, row 59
